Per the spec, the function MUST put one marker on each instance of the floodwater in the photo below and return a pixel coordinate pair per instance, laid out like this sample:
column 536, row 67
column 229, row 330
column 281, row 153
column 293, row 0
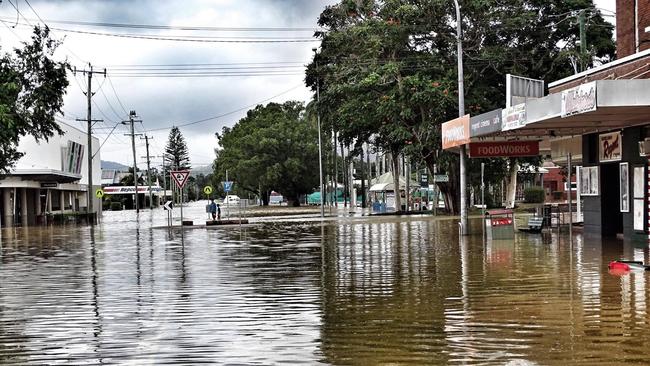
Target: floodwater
column 354, row 291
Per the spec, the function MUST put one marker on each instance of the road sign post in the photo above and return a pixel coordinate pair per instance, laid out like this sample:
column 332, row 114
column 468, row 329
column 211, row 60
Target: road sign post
column 168, row 208
column 180, row 177
column 227, row 187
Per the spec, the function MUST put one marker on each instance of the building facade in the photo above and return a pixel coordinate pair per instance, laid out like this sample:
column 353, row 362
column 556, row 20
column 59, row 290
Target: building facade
column 50, row 179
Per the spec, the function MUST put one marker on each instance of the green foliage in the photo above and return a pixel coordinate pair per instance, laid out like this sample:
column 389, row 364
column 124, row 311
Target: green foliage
column 534, row 195
column 387, row 69
column 275, row 147
column 127, row 180
column 32, row 86
column 176, row 153
column 116, row 206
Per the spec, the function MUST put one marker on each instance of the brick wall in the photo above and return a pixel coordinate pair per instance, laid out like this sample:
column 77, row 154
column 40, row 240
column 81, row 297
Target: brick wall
column 625, row 41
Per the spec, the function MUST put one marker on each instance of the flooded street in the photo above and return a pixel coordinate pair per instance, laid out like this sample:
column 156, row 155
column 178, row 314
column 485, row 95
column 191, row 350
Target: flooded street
column 351, row 291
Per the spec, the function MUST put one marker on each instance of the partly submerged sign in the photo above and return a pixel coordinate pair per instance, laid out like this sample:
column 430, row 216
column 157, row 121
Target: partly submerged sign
column 580, row 99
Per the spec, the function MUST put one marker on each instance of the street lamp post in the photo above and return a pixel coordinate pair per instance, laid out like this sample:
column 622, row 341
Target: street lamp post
column 320, row 147
column 461, row 112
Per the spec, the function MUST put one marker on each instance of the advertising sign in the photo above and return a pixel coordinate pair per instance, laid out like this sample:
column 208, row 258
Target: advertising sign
column 455, row 132
column 503, row 149
column 485, row 123
column 513, row 117
column 609, row 147
column 580, row 99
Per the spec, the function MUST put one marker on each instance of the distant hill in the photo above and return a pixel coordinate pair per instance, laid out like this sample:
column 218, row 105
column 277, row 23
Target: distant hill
column 114, row 166
column 204, row 169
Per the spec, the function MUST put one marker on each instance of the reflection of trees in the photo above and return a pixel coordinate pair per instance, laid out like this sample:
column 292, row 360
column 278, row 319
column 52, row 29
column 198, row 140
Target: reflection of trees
column 384, row 287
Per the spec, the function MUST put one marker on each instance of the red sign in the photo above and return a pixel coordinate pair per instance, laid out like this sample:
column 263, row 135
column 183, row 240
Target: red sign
column 503, row 149
column 501, row 221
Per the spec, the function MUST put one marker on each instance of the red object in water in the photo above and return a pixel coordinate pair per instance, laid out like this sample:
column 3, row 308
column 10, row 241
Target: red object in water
column 615, row 265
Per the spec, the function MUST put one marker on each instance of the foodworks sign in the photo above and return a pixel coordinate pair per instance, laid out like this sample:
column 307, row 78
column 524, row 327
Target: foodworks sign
column 503, row 149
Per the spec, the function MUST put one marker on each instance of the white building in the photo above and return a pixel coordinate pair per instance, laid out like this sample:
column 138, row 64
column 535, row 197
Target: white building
column 51, row 178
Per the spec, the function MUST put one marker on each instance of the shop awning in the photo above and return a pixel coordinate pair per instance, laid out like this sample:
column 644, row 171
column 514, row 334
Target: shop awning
column 45, row 175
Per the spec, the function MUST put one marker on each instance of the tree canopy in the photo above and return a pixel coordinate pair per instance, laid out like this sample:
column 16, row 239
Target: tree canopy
column 176, row 153
column 275, row 147
column 32, row 86
column 387, row 69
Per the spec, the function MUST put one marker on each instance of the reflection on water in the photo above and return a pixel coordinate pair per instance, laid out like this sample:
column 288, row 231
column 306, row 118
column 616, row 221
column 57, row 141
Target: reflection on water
column 377, row 291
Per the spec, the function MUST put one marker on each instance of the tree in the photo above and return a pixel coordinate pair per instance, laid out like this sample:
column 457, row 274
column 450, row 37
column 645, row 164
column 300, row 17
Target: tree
column 176, row 154
column 32, row 86
column 387, row 69
column 127, row 180
column 275, row 147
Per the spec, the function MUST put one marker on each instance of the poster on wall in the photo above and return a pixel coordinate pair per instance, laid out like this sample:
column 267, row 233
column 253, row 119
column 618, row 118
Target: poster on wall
column 638, row 214
column 624, row 187
column 589, row 181
column 638, row 182
column 609, row 146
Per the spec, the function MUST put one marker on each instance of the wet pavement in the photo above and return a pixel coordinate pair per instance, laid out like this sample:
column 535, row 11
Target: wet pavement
column 355, row 290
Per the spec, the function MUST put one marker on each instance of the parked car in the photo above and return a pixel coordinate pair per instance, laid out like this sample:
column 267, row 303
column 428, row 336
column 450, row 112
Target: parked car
column 231, row 199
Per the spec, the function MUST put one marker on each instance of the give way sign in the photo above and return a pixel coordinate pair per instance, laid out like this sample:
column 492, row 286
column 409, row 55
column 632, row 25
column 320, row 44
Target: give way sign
column 180, row 177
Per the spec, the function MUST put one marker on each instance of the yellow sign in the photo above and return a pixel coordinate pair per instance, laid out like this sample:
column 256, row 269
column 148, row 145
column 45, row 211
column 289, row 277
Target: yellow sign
column 207, row 190
column 99, row 193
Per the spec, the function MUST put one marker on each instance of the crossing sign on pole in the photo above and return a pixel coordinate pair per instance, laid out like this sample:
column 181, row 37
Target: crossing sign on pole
column 227, row 186
column 180, row 177
column 207, row 190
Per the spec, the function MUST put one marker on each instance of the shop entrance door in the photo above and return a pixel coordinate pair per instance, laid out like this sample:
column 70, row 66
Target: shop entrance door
column 610, row 211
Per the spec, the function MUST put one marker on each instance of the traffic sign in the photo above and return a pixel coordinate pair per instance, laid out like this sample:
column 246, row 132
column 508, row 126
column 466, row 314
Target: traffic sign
column 180, row 177
column 99, row 193
column 168, row 206
column 441, row 178
column 207, row 190
column 227, row 186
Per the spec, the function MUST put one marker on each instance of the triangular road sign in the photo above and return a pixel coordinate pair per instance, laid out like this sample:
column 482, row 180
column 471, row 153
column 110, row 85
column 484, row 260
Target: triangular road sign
column 180, row 177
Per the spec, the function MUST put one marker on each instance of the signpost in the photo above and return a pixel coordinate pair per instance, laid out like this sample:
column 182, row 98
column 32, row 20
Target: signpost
column 168, row 207
column 207, row 190
column 180, row 177
column 227, row 187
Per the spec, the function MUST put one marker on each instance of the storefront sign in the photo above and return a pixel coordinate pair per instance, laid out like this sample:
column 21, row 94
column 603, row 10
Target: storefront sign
column 503, row 149
column 455, row 132
column 129, row 189
column 609, row 147
column 485, row 123
column 49, row 185
column 501, row 221
column 513, row 117
column 580, row 99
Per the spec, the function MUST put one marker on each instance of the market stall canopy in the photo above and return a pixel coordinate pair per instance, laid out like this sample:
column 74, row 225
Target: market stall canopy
column 384, row 183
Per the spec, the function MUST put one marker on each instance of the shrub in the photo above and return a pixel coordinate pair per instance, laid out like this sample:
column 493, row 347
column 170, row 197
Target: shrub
column 534, row 195
column 116, row 206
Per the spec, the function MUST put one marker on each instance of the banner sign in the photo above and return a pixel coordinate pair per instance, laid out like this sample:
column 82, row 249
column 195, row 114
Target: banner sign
column 513, row 117
column 128, row 189
column 485, row 123
column 455, row 132
column 503, row 149
column 580, row 99
column 73, row 157
column 609, row 147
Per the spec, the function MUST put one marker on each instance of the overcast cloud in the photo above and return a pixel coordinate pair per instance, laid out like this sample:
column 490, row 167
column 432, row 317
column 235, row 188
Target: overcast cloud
column 163, row 102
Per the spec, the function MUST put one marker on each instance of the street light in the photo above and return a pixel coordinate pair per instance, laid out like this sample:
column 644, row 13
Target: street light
column 320, row 147
column 461, row 112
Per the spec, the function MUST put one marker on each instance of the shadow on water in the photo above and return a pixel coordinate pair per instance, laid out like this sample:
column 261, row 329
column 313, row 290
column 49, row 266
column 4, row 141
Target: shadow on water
column 348, row 292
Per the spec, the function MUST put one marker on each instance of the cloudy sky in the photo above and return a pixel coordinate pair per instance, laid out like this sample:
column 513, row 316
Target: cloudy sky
column 240, row 73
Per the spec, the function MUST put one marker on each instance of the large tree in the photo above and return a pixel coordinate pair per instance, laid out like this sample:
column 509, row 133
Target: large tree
column 32, row 85
column 275, row 147
column 387, row 69
column 176, row 153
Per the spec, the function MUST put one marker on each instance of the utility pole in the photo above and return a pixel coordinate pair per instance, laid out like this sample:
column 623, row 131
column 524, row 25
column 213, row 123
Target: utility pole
column 461, row 112
column 583, row 40
column 320, row 145
column 146, row 141
column 89, row 96
column 135, row 164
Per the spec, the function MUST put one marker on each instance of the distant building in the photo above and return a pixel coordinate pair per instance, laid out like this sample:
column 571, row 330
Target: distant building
column 51, row 178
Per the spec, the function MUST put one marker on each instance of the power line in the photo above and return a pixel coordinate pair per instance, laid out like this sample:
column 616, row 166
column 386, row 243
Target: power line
column 184, row 28
column 228, row 113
